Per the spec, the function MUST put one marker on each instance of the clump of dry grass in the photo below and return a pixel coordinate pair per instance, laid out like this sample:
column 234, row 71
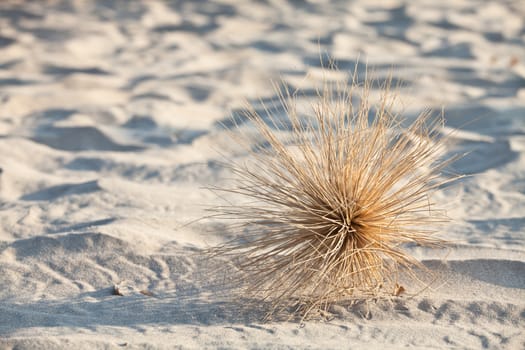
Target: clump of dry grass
column 325, row 207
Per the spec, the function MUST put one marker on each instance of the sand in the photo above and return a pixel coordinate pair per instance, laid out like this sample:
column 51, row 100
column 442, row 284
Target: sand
column 111, row 116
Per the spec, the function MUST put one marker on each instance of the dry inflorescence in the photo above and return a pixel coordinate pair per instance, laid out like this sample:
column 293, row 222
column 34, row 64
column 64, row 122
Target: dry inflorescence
column 325, row 203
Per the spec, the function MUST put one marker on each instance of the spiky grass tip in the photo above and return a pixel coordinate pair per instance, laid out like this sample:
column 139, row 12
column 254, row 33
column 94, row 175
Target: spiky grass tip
column 330, row 194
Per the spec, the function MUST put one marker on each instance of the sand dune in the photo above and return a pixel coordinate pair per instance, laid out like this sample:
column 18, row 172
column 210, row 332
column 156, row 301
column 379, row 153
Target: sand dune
column 111, row 116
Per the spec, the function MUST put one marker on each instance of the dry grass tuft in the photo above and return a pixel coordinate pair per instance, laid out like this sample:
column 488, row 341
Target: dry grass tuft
column 325, row 207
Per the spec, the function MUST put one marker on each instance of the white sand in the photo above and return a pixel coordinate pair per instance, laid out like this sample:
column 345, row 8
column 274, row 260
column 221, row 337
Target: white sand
column 109, row 115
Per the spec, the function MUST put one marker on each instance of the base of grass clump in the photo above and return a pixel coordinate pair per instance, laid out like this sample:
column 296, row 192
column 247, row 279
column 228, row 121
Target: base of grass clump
column 329, row 196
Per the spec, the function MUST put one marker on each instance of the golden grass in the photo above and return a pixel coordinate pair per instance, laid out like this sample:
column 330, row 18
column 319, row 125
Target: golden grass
column 323, row 209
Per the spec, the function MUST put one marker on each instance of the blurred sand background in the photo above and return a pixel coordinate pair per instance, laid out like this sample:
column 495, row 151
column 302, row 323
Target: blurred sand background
column 110, row 112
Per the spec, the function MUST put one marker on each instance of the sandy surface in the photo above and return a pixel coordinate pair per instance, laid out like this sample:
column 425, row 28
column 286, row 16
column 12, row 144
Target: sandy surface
column 110, row 113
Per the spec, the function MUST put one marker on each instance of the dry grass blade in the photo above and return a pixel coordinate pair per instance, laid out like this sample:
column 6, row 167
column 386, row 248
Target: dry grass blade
column 330, row 202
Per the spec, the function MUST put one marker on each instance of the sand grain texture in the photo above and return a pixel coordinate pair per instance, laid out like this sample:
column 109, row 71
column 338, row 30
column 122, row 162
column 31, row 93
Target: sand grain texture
column 109, row 115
